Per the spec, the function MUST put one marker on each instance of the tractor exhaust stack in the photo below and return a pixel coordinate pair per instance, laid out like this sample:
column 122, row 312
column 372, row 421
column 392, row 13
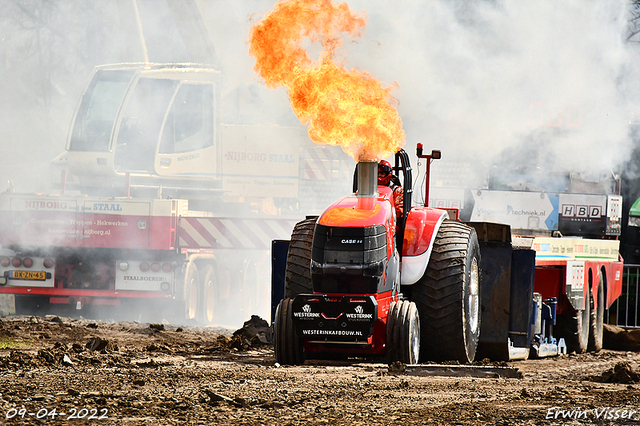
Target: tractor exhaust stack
column 367, row 179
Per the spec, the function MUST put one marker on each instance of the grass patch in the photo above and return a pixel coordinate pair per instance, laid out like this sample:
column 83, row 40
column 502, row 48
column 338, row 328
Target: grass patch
column 10, row 343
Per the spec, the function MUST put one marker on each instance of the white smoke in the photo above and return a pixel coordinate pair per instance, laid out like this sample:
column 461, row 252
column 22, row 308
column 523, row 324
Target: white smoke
column 475, row 77
column 551, row 82
column 479, row 77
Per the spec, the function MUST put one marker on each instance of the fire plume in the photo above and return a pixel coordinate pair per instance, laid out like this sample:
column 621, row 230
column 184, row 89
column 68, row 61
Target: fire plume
column 349, row 108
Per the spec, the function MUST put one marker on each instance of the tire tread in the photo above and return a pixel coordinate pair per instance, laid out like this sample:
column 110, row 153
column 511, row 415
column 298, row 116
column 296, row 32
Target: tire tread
column 439, row 295
column 298, row 270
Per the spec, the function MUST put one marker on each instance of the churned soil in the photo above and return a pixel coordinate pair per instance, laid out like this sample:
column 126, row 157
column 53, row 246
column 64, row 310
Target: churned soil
column 76, row 371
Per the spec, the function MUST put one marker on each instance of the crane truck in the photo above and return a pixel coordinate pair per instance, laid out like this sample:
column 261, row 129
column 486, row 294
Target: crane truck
column 157, row 202
column 359, row 280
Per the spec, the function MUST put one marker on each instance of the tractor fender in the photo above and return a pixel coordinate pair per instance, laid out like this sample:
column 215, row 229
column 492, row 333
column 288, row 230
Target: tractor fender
column 419, row 235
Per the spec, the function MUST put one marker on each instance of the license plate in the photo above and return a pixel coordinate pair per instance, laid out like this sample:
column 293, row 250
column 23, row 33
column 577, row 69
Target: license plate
column 28, row 275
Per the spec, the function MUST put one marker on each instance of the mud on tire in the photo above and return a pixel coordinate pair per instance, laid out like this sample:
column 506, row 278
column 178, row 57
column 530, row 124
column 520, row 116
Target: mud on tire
column 297, row 279
column 287, row 345
column 448, row 296
column 403, row 333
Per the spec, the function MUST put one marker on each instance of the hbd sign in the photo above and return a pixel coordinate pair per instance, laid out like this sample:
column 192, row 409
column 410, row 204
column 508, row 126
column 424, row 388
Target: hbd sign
column 581, row 211
column 582, row 214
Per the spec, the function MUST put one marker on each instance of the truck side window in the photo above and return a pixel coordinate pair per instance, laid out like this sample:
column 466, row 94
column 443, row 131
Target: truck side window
column 98, row 109
column 189, row 125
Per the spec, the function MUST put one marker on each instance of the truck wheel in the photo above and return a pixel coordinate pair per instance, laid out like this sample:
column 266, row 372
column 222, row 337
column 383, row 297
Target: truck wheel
column 209, row 306
column 287, row 345
column 448, row 296
column 596, row 320
column 297, row 278
column 191, row 293
column 403, row 333
column 574, row 327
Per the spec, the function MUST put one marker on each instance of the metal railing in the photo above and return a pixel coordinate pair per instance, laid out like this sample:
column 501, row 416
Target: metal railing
column 624, row 311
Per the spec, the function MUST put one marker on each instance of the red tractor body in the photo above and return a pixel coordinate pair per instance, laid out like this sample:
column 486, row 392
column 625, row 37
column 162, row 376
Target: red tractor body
column 349, row 300
column 354, row 265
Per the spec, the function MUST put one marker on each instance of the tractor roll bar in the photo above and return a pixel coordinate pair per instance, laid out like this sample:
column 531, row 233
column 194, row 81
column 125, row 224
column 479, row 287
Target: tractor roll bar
column 402, row 164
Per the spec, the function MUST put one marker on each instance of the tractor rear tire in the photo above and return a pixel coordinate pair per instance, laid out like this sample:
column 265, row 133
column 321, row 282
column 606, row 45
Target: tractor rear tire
column 403, row 333
column 287, row 345
column 574, row 327
column 596, row 322
column 448, row 296
column 297, row 279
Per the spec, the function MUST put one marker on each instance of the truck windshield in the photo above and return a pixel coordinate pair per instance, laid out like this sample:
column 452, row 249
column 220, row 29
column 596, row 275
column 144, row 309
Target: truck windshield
column 189, row 125
column 98, row 109
column 139, row 132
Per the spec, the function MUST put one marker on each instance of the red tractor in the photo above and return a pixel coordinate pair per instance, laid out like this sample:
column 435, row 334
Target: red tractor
column 363, row 281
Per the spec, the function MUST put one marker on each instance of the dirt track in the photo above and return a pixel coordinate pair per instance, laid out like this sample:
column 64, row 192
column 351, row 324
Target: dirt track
column 134, row 373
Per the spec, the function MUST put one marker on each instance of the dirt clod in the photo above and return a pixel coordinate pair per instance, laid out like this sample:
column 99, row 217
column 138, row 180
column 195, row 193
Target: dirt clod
column 397, row 367
column 256, row 330
column 622, row 372
column 99, row 344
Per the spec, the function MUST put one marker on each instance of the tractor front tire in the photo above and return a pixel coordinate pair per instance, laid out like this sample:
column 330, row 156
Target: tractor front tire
column 287, row 345
column 448, row 296
column 297, row 279
column 403, row 333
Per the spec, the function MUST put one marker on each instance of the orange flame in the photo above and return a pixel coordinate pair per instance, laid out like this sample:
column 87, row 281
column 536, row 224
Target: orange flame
column 349, row 108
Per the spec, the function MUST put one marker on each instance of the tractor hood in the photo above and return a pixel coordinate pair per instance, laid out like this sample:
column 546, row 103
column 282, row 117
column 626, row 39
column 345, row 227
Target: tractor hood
column 353, row 211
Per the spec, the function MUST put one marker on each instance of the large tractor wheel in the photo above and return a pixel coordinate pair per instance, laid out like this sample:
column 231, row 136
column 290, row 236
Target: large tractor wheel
column 287, row 345
column 448, row 296
column 403, row 333
column 297, row 279
column 208, row 310
column 596, row 321
column 574, row 327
